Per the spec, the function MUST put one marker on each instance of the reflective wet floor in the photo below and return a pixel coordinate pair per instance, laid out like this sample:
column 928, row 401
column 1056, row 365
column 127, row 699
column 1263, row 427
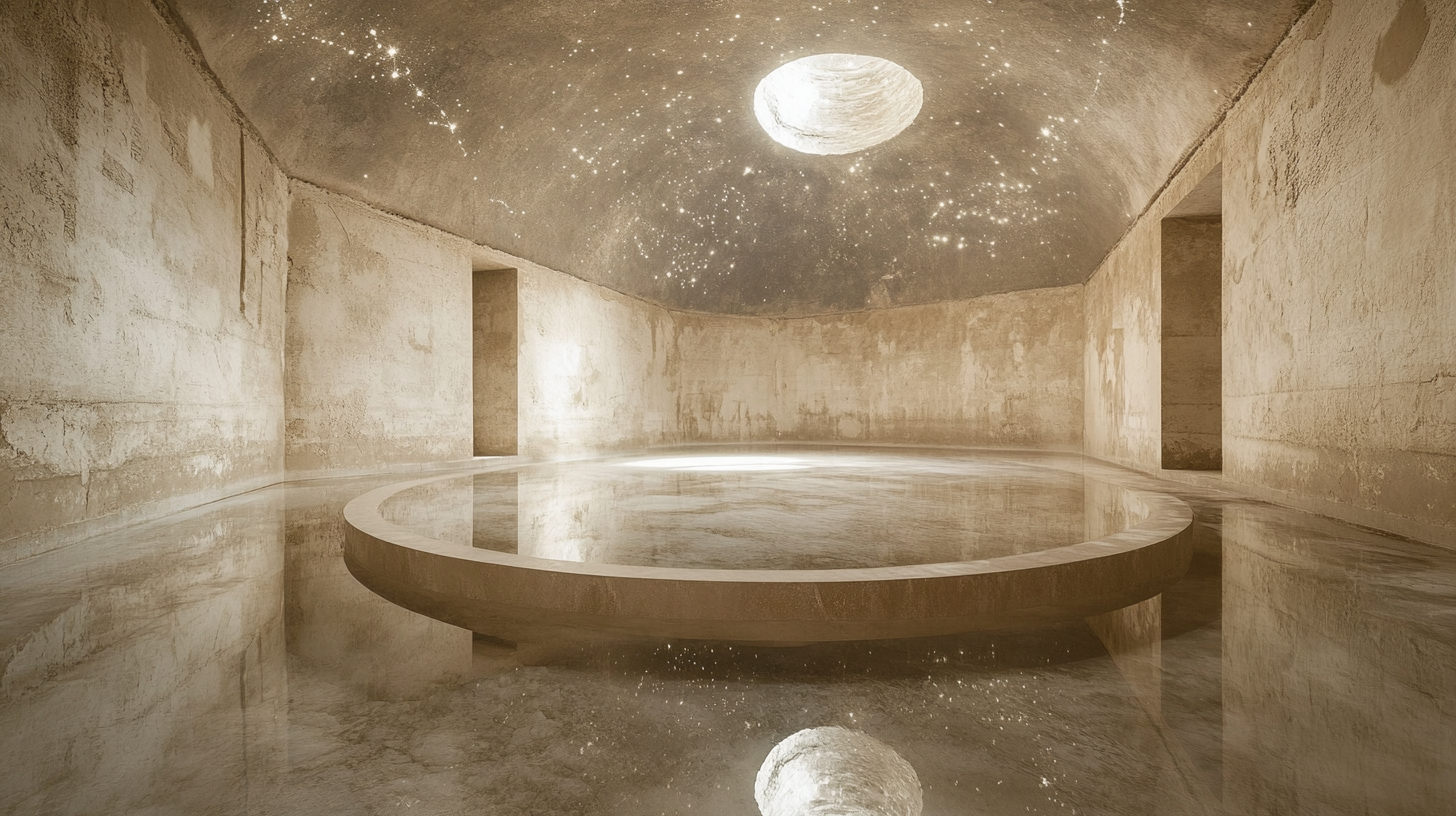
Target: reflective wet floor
column 225, row 661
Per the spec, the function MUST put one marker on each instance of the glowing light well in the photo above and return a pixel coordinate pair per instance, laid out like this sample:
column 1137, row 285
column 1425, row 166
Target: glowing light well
column 831, row 104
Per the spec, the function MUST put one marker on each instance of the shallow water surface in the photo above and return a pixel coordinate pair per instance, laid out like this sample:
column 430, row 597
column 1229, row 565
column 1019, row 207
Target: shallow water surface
column 808, row 510
column 224, row 661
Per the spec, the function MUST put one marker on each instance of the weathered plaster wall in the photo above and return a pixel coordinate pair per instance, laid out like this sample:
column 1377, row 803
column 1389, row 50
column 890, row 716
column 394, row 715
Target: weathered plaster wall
column 1122, row 352
column 596, row 367
column 381, row 331
column 141, row 277
column 1340, row 270
column 1002, row 370
column 379, row 339
column 1339, row 302
column 380, row 369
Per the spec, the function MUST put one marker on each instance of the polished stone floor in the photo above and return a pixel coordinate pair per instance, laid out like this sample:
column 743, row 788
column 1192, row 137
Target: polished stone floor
column 224, row 661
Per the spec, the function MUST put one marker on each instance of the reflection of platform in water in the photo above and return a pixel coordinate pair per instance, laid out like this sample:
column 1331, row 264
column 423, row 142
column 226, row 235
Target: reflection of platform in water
column 842, row 545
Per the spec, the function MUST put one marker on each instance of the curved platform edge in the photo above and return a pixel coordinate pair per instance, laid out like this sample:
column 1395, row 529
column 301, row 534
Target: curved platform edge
column 525, row 599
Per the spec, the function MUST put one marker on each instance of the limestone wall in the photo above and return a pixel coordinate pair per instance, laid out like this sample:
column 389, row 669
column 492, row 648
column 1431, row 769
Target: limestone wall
column 1340, row 281
column 380, row 369
column 596, row 368
column 142, row 271
column 1339, row 298
column 379, row 339
column 1001, row 371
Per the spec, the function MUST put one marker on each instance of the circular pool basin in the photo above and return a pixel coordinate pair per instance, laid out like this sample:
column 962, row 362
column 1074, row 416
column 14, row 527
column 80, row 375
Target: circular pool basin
column 766, row 546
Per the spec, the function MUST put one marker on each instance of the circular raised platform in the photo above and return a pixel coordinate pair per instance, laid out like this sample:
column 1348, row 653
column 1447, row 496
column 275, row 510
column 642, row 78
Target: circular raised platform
column 766, row 547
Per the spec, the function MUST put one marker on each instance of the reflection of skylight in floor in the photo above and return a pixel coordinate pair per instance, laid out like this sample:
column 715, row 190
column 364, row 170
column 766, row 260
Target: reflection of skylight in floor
column 834, row 770
column 830, row 104
column 720, row 464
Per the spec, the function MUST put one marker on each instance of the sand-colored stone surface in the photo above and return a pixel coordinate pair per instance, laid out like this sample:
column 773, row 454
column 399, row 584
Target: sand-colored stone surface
column 1339, row 306
column 142, row 265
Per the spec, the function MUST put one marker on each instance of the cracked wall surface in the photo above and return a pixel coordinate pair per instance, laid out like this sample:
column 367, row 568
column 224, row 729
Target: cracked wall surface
column 142, row 264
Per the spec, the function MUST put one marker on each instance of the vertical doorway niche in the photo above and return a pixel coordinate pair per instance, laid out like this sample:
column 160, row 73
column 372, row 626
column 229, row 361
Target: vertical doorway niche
column 1192, row 317
column 494, row 351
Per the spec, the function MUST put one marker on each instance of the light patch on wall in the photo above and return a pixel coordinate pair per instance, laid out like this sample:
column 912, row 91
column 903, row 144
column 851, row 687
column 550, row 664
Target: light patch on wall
column 831, row 104
column 567, row 364
column 199, row 150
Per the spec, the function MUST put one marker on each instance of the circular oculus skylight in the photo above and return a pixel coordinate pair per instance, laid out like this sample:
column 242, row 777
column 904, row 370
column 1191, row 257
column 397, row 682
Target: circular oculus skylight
column 831, row 104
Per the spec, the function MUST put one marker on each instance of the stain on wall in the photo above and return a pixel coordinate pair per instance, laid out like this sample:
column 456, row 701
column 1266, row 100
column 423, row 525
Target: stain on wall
column 130, row 383
column 1402, row 41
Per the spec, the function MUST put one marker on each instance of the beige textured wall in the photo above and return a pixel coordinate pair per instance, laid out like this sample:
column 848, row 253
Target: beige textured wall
column 594, row 366
column 1001, row 370
column 141, row 277
column 1340, row 280
column 380, row 369
column 1122, row 360
column 380, row 348
column 379, row 339
column 1339, row 320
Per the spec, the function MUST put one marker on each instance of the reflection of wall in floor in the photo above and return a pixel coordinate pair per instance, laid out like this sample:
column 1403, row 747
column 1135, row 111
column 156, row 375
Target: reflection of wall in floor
column 497, row 515
column 834, row 517
column 99, row 703
column 339, row 626
column 1192, row 668
column 1323, row 673
column 571, row 514
column 1161, row 646
column 442, row 510
column 1133, row 634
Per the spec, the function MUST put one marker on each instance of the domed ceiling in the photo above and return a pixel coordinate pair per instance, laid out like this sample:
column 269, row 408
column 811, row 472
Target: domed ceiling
column 617, row 140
